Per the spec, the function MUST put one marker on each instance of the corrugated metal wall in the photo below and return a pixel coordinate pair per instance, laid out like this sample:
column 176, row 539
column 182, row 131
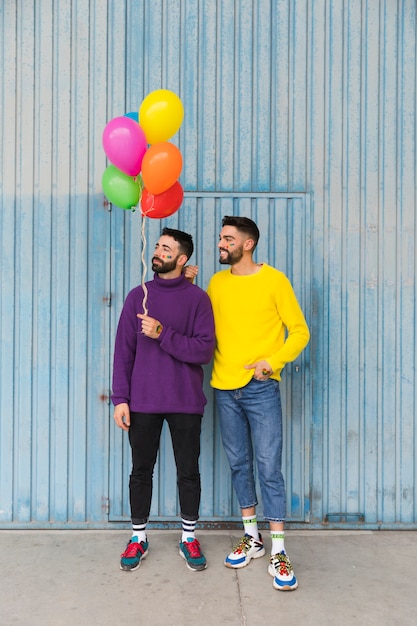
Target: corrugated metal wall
column 284, row 220
column 316, row 97
column 54, row 362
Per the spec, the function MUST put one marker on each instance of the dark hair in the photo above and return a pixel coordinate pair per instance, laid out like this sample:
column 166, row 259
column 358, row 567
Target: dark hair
column 243, row 225
column 185, row 240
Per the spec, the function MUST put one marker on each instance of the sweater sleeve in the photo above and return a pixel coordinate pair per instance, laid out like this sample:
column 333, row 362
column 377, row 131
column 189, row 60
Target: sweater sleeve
column 298, row 334
column 195, row 349
column 124, row 352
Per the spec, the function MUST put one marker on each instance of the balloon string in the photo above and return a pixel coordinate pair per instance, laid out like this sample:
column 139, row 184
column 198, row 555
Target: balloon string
column 144, row 268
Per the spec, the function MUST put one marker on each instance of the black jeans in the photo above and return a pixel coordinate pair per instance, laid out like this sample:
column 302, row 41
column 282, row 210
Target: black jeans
column 144, row 436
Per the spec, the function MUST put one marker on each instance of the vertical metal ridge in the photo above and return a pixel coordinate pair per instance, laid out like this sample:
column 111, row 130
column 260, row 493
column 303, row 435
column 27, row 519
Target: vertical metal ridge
column 307, row 97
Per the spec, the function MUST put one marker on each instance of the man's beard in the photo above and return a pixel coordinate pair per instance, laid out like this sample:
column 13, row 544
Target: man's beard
column 231, row 258
column 163, row 267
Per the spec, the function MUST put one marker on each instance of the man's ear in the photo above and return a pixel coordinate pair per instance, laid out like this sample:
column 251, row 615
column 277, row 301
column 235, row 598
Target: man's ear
column 182, row 260
column 249, row 244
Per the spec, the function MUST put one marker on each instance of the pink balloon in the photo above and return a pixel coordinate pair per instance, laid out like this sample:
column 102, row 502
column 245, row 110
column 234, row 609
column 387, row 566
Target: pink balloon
column 125, row 144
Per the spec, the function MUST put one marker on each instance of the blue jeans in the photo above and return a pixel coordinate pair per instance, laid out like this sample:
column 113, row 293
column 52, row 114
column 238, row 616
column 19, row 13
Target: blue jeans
column 254, row 413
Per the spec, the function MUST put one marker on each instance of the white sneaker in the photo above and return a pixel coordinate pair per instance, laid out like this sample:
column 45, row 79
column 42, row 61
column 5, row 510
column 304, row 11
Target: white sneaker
column 246, row 549
column 281, row 569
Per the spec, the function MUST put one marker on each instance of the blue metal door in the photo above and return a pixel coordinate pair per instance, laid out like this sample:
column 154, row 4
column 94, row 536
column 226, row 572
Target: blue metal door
column 284, row 224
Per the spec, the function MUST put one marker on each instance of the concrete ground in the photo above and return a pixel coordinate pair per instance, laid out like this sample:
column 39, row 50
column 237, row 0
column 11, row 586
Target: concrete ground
column 54, row 578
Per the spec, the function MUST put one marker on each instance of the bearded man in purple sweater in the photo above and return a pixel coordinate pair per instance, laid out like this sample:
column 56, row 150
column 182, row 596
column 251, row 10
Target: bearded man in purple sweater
column 157, row 376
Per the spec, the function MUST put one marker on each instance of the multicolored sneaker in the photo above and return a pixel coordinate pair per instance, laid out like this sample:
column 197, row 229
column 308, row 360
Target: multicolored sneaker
column 281, row 569
column 133, row 555
column 191, row 552
column 246, row 549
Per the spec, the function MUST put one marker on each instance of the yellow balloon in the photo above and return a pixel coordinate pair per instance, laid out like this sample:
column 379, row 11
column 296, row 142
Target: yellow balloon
column 160, row 115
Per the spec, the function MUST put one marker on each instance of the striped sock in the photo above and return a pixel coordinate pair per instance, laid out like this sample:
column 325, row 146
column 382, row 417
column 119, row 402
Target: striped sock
column 188, row 529
column 250, row 525
column 277, row 537
column 139, row 531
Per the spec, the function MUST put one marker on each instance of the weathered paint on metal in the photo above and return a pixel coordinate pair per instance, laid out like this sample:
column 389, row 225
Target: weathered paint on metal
column 312, row 100
column 284, row 221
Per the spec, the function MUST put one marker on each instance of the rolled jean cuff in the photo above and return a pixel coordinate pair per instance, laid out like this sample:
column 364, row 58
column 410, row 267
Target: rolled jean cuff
column 249, row 506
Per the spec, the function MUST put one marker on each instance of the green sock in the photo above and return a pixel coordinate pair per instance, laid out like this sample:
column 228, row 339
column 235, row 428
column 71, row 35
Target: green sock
column 250, row 526
column 277, row 538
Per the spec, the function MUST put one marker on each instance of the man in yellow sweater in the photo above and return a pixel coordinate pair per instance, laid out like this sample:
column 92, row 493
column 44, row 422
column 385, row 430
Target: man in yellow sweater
column 259, row 328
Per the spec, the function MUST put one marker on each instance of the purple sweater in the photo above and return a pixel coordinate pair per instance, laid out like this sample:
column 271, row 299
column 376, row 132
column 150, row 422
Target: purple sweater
column 164, row 375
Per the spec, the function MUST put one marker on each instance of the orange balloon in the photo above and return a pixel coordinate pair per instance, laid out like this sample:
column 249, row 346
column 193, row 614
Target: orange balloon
column 161, row 167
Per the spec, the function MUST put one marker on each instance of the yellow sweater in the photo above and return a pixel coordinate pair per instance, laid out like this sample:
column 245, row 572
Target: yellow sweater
column 252, row 314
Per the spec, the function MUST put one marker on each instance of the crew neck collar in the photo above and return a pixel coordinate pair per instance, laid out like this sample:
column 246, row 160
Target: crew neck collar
column 261, row 267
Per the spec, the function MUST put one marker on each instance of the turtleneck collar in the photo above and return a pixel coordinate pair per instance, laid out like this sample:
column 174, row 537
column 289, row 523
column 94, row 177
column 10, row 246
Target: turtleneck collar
column 171, row 283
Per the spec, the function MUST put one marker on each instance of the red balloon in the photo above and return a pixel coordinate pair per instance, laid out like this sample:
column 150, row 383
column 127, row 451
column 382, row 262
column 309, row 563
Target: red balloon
column 162, row 204
column 161, row 167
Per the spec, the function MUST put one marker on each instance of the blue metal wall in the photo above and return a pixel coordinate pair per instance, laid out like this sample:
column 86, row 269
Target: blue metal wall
column 284, row 220
column 311, row 99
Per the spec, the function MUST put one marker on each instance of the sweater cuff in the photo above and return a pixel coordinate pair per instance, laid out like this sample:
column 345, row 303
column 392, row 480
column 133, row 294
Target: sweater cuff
column 117, row 400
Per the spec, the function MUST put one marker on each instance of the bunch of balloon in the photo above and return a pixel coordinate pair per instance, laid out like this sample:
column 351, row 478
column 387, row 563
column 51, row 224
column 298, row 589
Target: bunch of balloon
column 144, row 166
column 160, row 115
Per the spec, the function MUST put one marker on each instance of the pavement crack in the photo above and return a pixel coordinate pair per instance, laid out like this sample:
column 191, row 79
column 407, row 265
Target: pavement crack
column 242, row 616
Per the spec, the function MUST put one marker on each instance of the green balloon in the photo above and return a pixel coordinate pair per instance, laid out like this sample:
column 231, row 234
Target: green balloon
column 120, row 189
